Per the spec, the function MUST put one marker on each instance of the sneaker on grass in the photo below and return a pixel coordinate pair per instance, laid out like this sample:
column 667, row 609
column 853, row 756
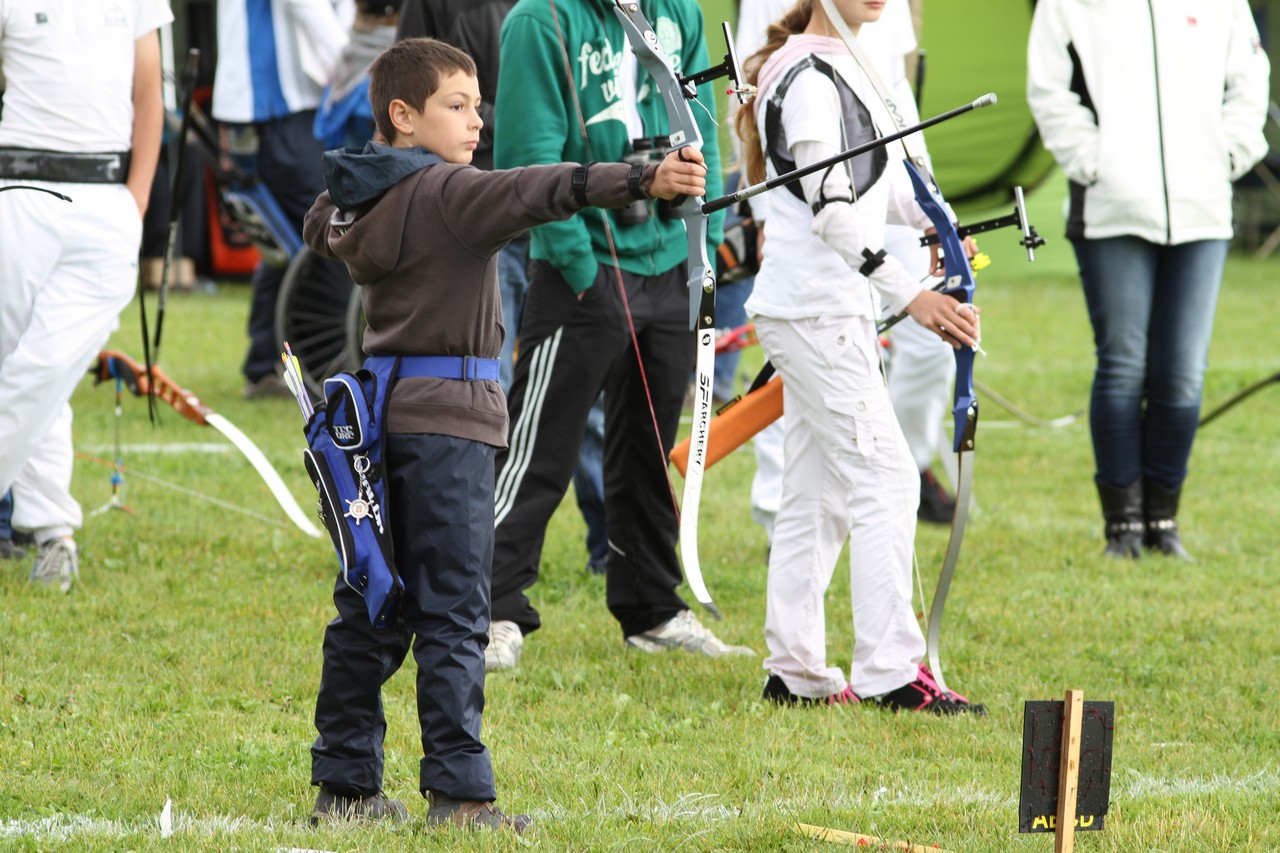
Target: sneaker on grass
column 684, row 631
column 924, row 694
column 56, row 563
column 332, row 806
column 472, row 814
column 505, row 641
column 776, row 691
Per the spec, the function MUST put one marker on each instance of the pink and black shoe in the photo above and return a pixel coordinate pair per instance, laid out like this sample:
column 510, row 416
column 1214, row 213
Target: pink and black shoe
column 925, row 695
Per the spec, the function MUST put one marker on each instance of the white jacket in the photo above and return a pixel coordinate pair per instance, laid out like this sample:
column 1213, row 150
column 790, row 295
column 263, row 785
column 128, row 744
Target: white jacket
column 1152, row 108
column 306, row 37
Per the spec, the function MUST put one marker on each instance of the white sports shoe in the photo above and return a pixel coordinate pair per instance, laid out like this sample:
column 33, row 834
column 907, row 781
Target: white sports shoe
column 56, row 563
column 503, row 651
column 684, row 631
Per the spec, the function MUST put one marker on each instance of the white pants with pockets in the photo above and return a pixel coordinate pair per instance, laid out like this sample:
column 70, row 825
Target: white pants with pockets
column 849, row 475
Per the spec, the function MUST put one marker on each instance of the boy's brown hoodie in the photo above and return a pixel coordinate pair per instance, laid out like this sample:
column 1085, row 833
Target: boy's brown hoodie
column 421, row 239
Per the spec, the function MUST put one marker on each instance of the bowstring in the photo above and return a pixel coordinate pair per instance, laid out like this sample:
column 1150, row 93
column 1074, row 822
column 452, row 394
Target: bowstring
column 617, row 269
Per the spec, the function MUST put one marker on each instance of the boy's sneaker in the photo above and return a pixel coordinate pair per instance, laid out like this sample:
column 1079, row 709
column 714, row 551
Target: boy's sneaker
column 56, row 563
column 775, row 690
column 505, row 641
column 924, row 694
column 9, row 550
column 332, row 806
column 473, row 814
column 684, row 631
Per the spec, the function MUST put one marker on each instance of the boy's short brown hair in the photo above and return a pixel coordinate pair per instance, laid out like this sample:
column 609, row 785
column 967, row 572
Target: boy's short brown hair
column 411, row 70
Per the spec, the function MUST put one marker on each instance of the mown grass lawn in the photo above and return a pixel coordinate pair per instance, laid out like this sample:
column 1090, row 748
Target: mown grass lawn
column 184, row 663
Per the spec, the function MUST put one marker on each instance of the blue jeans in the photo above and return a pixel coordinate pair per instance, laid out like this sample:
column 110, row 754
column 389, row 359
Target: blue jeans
column 513, row 283
column 730, row 314
column 6, row 515
column 588, row 485
column 1152, row 308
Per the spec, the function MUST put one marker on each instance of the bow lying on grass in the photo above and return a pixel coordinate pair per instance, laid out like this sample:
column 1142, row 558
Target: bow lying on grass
column 111, row 365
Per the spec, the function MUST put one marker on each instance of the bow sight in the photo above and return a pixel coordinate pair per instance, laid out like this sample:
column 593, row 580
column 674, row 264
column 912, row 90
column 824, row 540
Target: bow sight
column 1030, row 239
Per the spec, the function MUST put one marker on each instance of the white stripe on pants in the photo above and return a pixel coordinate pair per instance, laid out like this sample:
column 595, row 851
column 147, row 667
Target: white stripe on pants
column 848, row 475
column 67, row 270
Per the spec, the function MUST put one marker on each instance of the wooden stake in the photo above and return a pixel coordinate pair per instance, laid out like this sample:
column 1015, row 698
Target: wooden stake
column 857, row 839
column 1064, row 839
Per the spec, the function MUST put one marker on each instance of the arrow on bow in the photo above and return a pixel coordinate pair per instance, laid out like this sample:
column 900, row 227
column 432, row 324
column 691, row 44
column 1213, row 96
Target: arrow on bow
column 155, row 384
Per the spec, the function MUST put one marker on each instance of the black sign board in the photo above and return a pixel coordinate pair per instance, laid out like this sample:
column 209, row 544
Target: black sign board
column 1041, row 750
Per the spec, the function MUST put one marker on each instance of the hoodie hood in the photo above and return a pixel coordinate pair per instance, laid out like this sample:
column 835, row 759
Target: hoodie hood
column 356, row 179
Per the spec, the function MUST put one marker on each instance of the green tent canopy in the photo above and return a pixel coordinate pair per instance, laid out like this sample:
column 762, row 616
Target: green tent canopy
column 973, row 48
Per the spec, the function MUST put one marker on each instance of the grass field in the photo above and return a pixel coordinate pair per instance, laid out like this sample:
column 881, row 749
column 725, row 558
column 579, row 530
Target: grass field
column 184, row 663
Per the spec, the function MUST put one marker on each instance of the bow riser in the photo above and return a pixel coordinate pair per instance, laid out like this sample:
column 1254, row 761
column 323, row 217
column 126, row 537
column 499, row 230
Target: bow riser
column 685, row 133
column 960, row 285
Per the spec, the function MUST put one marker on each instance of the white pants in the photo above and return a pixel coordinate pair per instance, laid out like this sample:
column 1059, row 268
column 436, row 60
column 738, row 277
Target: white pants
column 67, row 270
column 848, row 475
column 922, row 372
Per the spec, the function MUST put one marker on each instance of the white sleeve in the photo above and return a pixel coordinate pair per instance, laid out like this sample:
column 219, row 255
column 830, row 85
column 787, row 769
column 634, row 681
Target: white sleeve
column 1244, row 104
column 152, row 15
column 838, row 226
column 1068, row 128
column 320, row 36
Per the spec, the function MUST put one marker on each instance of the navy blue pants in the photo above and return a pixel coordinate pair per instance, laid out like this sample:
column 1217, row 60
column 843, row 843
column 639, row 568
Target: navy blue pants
column 441, row 504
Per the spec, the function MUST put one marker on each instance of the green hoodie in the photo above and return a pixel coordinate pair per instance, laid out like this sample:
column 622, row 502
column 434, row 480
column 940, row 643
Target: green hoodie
column 537, row 121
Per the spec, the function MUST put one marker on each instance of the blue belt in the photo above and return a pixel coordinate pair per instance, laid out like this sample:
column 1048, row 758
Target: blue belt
column 466, row 367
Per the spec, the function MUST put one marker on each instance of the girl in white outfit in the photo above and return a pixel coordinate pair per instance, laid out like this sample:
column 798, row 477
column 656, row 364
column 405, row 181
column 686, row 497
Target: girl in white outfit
column 848, row 471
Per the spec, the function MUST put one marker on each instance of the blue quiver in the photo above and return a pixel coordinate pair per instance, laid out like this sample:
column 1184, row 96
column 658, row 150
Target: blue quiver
column 344, row 459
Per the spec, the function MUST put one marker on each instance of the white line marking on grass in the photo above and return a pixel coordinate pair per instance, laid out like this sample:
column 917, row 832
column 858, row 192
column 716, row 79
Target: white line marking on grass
column 65, row 827
column 1139, row 785
column 691, row 806
column 169, row 448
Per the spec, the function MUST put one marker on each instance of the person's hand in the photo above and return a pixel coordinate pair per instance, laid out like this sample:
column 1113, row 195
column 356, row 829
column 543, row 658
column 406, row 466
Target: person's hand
column 937, row 264
column 682, row 172
column 955, row 322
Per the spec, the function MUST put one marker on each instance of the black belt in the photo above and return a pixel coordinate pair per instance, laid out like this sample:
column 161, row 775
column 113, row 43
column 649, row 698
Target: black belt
column 32, row 164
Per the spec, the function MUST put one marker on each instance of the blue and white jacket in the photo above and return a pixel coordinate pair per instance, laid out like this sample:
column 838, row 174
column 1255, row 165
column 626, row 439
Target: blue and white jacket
column 276, row 56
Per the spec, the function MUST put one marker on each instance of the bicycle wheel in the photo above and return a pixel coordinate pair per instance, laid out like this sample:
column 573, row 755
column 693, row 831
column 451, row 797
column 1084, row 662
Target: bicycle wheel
column 313, row 313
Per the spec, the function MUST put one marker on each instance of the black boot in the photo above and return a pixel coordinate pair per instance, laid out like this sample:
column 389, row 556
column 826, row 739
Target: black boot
column 1122, row 511
column 1160, row 511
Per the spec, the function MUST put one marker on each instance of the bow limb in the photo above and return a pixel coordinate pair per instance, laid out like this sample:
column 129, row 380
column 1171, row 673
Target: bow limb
column 676, row 92
column 159, row 386
column 959, row 284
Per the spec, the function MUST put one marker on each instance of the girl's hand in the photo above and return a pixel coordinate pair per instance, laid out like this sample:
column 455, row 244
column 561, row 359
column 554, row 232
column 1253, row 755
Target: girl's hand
column 937, row 265
column 682, row 172
column 954, row 322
